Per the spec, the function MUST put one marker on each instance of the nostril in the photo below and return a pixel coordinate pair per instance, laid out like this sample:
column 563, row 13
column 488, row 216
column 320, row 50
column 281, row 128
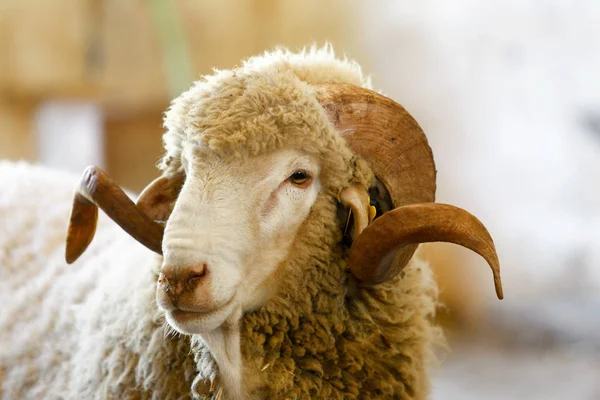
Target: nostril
column 196, row 274
column 163, row 282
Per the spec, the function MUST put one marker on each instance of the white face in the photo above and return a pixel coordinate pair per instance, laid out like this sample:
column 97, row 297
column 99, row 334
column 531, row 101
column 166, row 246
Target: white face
column 232, row 225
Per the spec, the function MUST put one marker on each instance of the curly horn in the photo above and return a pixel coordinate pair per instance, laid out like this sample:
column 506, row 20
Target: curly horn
column 373, row 255
column 385, row 135
column 95, row 190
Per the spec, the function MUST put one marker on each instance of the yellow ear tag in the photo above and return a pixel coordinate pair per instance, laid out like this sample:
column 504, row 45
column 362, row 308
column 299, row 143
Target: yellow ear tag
column 372, row 213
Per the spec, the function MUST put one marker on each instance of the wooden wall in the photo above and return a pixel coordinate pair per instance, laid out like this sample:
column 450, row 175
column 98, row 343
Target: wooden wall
column 133, row 147
column 17, row 141
column 109, row 52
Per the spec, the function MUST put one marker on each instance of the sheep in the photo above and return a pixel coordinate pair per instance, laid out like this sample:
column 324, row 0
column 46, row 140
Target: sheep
column 283, row 232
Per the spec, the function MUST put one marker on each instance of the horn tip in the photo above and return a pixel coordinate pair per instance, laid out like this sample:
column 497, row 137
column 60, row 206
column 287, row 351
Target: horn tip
column 498, row 286
column 82, row 228
column 78, row 240
column 71, row 255
column 73, row 249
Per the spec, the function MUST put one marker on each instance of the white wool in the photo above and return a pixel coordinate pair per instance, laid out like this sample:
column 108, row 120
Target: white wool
column 58, row 321
column 92, row 329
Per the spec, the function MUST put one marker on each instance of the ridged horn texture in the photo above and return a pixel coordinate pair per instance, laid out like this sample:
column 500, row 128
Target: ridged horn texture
column 385, row 135
column 95, row 190
column 389, row 139
column 420, row 223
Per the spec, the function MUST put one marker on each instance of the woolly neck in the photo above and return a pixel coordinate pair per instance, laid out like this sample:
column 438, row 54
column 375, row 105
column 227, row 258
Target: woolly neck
column 318, row 338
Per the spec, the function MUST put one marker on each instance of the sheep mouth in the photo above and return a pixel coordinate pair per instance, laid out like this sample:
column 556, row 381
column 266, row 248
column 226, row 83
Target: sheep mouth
column 194, row 322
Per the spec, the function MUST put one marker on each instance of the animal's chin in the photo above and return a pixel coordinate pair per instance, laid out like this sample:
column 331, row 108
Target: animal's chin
column 189, row 322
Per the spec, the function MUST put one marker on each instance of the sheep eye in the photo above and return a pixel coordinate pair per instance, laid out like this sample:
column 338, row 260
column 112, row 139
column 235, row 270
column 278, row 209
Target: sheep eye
column 300, row 178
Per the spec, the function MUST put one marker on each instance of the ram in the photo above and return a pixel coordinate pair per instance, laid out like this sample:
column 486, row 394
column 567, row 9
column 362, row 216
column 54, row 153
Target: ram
column 291, row 203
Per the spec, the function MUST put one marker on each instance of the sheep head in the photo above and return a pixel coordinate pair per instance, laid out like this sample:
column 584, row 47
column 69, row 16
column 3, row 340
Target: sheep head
column 230, row 217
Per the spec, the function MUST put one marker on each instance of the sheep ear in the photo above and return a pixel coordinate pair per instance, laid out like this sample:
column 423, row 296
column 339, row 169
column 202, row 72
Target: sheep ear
column 357, row 199
column 158, row 198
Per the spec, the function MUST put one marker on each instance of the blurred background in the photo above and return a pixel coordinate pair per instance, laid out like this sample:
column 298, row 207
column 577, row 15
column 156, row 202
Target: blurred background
column 507, row 91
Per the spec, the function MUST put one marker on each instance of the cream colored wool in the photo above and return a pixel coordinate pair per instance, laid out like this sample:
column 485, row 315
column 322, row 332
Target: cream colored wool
column 319, row 339
column 92, row 330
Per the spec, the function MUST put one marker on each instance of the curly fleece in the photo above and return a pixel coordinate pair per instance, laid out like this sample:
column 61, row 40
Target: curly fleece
column 323, row 337
column 93, row 329
column 317, row 338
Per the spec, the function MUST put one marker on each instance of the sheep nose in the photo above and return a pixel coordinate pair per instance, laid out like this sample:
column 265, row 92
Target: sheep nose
column 175, row 281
